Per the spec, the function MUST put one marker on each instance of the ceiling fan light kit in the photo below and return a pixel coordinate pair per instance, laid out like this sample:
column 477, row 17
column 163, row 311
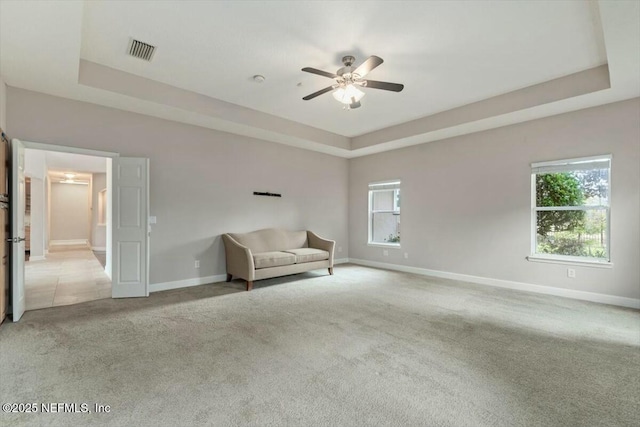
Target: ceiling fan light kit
column 348, row 94
column 347, row 79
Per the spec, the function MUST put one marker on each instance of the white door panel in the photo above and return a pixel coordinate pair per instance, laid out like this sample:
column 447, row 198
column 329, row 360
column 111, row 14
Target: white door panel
column 18, row 202
column 130, row 276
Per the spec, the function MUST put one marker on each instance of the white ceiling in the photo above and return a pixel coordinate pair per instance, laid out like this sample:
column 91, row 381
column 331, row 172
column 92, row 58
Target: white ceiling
column 75, row 163
column 447, row 53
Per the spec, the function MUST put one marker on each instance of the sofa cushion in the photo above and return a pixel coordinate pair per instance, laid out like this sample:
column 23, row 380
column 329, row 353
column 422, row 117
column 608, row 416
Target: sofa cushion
column 308, row 255
column 271, row 239
column 273, row 259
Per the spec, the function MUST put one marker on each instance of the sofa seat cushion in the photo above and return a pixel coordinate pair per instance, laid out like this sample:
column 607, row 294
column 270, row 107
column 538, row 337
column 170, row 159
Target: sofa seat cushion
column 308, row 255
column 273, row 259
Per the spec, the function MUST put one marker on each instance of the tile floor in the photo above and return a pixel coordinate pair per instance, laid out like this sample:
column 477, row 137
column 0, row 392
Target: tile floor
column 69, row 275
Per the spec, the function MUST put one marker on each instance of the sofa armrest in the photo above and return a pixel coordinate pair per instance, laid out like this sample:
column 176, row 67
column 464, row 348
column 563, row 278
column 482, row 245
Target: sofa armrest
column 317, row 242
column 239, row 259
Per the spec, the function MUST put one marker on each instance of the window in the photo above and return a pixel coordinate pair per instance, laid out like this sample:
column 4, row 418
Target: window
column 570, row 215
column 384, row 213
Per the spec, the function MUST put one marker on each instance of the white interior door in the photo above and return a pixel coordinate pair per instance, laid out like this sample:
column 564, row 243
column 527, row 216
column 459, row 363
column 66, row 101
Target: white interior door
column 18, row 201
column 130, row 277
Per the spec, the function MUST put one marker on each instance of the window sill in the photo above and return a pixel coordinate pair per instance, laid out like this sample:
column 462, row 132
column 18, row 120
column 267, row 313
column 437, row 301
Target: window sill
column 583, row 263
column 384, row 245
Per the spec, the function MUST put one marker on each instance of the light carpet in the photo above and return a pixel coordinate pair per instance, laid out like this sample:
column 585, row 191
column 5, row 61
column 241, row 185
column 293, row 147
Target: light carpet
column 364, row 347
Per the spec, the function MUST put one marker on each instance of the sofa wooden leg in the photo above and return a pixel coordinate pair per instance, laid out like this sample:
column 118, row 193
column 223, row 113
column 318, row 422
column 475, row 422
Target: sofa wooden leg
column 249, row 285
column 229, row 276
column 331, row 271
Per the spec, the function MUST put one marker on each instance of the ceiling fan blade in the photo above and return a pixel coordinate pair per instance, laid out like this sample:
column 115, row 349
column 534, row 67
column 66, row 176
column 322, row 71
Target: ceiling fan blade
column 319, row 72
column 368, row 65
column 318, row 93
column 394, row 87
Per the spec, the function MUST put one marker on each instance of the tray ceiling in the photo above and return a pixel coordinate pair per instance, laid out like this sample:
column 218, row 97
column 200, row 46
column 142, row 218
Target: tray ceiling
column 447, row 54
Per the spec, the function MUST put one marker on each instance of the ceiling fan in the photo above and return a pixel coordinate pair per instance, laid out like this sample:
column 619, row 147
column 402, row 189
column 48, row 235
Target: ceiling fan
column 347, row 79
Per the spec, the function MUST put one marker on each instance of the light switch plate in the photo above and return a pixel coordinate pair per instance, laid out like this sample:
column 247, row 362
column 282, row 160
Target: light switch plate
column 152, row 220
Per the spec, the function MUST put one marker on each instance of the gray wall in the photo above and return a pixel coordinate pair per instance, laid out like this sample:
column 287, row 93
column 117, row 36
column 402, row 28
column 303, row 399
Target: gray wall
column 69, row 211
column 201, row 180
column 98, row 232
column 466, row 201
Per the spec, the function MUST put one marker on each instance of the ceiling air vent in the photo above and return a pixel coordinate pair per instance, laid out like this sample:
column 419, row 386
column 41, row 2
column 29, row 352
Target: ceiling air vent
column 141, row 50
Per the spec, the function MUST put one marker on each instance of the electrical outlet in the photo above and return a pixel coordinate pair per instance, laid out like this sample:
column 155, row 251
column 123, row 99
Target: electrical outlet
column 406, row 255
column 197, row 263
column 339, row 248
column 571, row 272
column 385, row 252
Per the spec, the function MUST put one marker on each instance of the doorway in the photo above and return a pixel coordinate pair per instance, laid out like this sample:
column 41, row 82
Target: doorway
column 65, row 229
column 127, row 222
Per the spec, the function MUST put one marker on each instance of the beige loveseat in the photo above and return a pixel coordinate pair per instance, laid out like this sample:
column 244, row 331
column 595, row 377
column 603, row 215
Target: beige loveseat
column 273, row 252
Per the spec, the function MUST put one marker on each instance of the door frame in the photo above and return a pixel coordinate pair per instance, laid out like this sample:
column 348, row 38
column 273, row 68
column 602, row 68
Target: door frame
column 67, row 149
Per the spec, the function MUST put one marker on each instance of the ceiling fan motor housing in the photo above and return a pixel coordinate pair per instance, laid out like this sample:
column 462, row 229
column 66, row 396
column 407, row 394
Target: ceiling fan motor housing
column 348, row 60
column 348, row 65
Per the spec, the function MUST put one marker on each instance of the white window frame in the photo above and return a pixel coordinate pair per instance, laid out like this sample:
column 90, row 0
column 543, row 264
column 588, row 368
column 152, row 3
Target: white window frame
column 567, row 165
column 396, row 205
column 377, row 187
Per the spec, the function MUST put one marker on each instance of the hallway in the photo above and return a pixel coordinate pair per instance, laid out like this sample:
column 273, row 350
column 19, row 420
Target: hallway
column 69, row 275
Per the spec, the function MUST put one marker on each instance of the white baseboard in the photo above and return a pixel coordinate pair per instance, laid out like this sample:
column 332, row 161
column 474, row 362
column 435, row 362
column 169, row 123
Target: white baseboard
column 68, row 242
column 197, row 281
column 98, row 248
column 177, row 284
column 528, row 287
column 37, row 258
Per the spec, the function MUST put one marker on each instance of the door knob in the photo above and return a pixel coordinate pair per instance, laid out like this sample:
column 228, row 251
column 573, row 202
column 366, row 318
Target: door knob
column 16, row 239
